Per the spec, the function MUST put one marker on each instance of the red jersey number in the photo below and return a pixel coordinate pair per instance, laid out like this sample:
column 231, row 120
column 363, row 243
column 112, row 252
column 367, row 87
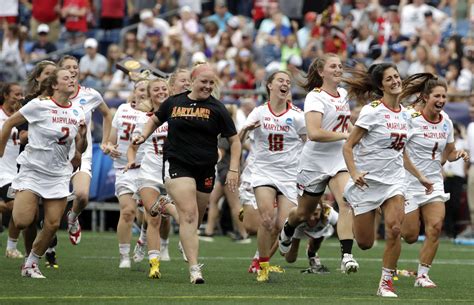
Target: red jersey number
column 399, row 140
column 128, row 130
column 15, row 138
column 157, row 146
column 342, row 122
column 275, row 142
column 62, row 140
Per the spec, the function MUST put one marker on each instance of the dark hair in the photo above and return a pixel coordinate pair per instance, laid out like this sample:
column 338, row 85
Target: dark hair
column 272, row 77
column 421, row 84
column 313, row 78
column 66, row 57
column 366, row 85
column 31, row 83
column 46, row 87
column 5, row 90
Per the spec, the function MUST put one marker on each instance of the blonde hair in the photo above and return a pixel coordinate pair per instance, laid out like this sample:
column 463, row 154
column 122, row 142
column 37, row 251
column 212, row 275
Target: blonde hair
column 200, row 65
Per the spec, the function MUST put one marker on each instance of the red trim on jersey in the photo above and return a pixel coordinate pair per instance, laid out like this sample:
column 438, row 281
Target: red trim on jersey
column 331, row 95
column 288, row 107
column 391, row 109
column 432, row 122
column 62, row 106
column 78, row 89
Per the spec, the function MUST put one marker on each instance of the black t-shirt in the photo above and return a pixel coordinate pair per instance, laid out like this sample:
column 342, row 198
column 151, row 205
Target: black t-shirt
column 193, row 127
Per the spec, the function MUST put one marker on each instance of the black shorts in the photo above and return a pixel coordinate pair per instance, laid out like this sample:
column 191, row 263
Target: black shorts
column 203, row 175
column 4, row 192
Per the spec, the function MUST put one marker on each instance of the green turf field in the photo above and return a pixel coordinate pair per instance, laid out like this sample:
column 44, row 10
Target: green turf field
column 89, row 274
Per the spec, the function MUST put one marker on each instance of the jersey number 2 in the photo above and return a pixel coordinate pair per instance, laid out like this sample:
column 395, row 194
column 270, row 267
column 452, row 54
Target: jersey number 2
column 275, row 142
column 62, row 140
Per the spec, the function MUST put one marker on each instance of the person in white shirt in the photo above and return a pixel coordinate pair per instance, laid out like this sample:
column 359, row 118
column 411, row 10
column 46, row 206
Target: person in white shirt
column 90, row 100
column 327, row 116
column 92, row 65
column 149, row 22
column 54, row 124
column 430, row 143
column 374, row 157
column 279, row 134
column 412, row 17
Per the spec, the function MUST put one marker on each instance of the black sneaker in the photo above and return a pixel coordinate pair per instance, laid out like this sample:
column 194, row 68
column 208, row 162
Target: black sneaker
column 51, row 260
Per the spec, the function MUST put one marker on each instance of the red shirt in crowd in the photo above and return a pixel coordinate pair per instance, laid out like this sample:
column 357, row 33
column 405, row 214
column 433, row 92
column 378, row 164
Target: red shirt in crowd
column 74, row 23
column 113, row 9
column 44, row 10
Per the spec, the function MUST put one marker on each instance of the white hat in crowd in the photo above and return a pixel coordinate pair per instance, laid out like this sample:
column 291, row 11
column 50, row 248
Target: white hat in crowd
column 90, row 43
column 42, row 28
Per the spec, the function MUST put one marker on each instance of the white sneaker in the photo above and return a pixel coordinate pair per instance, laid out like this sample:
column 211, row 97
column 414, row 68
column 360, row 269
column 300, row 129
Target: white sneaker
column 424, row 281
column 284, row 242
column 349, row 264
column 164, row 251
column 13, row 253
column 125, row 262
column 32, row 272
column 386, row 289
column 195, row 274
column 139, row 251
column 180, row 248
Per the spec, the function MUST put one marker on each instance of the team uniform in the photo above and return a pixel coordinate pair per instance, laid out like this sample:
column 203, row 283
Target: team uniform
column 89, row 99
column 320, row 161
column 247, row 197
column 380, row 154
column 151, row 169
column 426, row 143
column 125, row 121
column 8, row 166
column 277, row 148
column 45, row 166
column 194, row 126
column 323, row 228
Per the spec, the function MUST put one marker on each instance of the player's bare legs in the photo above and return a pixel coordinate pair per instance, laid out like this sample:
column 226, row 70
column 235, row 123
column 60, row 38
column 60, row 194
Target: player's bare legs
column 124, row 228
column 81, row 182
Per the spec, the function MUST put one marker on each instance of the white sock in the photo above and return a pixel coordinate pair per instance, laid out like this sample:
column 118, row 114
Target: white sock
column 154, row 254
column 387, row 274
column 142, row 237
column 11, row 243
column 124, row 249
column 50, row 250
column 423, row 269
column 32, row 259
column 257, row 255
column 72, row 216
column 164, row 242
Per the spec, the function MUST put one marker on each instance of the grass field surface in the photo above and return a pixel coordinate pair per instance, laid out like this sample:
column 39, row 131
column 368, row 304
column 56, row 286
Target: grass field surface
column 89, row 274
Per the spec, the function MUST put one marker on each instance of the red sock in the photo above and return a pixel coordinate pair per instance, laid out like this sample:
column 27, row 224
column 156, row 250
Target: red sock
column 264, row 259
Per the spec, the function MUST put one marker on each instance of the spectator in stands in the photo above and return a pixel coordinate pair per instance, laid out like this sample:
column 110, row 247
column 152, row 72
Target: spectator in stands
column 45, row 12
column 268, row 23
column 112, row 14
column 153, row 43
column 211, row 35
column 289, row 48
column 221, row 15
column 441, row 65
column 235, row 32
column 12, row 68
column 149, row 22
column 244, row 70
column 92, row 65
column 42, row 46
column 396, row 56
column 114, row 55
column 74, row 12
column 188, row 27
column 419, row 59
column 412, row 17
column 304, row 34
column 9, row 12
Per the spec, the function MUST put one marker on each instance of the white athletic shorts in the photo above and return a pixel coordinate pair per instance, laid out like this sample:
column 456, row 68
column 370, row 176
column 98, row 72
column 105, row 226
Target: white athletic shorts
column 370, row 198
column 415, row 201
column 247, row 197
column 151, row 176
column 126, row 183
column 300, row 233
column 45, row 186
column 315, row 182
column 287, row 188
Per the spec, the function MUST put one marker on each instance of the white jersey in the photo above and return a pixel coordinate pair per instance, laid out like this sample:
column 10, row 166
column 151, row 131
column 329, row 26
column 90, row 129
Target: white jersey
column 380, row 151
column 125, row 120
column 8, row 161
column 277, row 140
column 51, row 133
column 89, row 99
column 153, row 146
column 426, row 143
column 336, row 117
column 323, row 228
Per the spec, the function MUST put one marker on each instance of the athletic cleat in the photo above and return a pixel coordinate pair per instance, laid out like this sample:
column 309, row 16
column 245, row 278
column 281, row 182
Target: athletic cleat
column 424, row 281
column 51, row 260
column 254, row 266
column 276, row 269
column 139, row 251
column 165, row 255
column 125, row 262
column 284, row 243
column 74, row 230
column 195, row 274
column 158, row 208
column 242, row 240
column 386, row 289
column 263, row 275
column 349, row 264
column 181, row 250
column 315, row 266
column 154, row 269
column 13, row 253
column 32, row 272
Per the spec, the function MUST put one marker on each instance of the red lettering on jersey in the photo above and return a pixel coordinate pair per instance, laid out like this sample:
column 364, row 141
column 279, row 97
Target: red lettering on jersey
column 343, row 108
column 275, row 127
column 267, row 119
column 64, row 120
column 435, row 135
column 396, row 126
column 387, row 116
column 54, row 111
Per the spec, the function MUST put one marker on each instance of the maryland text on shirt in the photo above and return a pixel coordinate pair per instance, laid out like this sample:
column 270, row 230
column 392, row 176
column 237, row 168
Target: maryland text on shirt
column 191, row 112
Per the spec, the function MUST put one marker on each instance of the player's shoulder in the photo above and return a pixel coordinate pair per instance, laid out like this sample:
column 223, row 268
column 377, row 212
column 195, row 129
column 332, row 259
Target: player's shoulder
column 89, row 91
column 375, row 104
column 295, row 108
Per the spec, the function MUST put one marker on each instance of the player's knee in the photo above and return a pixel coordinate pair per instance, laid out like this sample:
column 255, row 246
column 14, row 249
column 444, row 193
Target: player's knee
column 410, row 238
column 82, row 198
column 268, row 223
column 393, row 229
column 154, row 221
column 51, row 225
column 21, row 222
column 433, row 231
column 365, row 244
column 291, row 259
column 128, row 215
column 190, row 217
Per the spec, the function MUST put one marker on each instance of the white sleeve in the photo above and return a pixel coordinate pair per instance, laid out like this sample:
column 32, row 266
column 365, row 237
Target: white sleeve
column 141, row 122
column 450, row 131
column 367, row 118
column 470, row 137
column 314, row 102
column 34, row 111
column 300, row 123
column 97, row 99
column 253, row 117
column 115, row 120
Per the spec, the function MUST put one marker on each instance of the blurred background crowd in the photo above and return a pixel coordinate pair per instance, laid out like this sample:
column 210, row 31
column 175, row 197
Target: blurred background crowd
column 245, row 40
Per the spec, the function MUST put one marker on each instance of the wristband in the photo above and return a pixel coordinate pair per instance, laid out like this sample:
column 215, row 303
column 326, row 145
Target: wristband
column 233, row 170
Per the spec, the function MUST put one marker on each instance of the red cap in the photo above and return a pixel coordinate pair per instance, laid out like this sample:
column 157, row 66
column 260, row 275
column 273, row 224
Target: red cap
column 310, row 16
